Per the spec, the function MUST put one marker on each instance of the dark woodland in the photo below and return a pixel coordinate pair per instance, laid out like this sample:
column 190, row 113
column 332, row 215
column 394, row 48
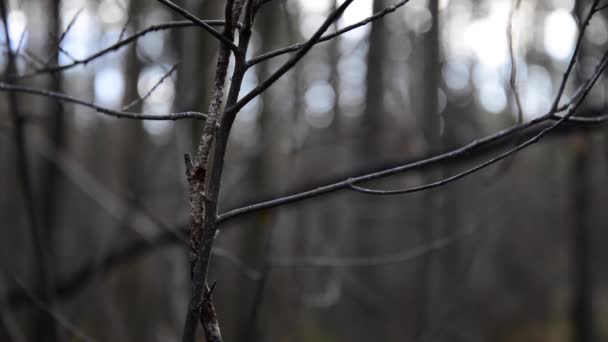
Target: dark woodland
column 292, row 170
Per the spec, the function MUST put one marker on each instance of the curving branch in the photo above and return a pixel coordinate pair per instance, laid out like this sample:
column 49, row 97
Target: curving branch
column 344, row 184
column 589, row 85
column 457, row 153
column 100, row 109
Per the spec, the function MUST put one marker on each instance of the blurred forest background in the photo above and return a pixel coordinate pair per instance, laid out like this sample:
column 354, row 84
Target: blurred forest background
column 512, row 253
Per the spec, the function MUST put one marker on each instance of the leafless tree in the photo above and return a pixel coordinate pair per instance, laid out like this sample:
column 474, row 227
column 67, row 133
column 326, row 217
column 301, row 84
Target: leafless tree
column 204, row 169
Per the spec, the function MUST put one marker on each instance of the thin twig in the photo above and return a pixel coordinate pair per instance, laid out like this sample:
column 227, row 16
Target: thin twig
column 62, row 37
column 115, row 47
column 158, row 83
column 574, row 57
column 298, row 46
column 513, row 74
column 201, row 23
column 123, row 30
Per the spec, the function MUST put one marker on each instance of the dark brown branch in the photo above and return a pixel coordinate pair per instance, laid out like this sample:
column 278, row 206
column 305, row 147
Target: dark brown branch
column 298, row 46
column 103, row 110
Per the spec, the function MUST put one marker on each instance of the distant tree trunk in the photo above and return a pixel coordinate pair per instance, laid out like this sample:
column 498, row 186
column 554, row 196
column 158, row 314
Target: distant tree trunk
column 432, row 220
column 46, row 328
column 582, row 289
column 582, row 295
column 371, row 146
column 256, row 242
column 56, row 129
column 131, row 183
column 195, row 51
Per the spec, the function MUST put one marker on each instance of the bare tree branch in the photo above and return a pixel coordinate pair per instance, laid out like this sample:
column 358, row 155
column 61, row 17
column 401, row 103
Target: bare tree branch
column 204, row 191
column 103, row 110
column 453, row 154
column 232, row 110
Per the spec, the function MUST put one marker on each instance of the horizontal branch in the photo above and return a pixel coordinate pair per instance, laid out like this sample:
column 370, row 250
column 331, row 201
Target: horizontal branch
column 443, row 157
column 344, row 184
column 98, row 108
column 463, row 174
column 298, row 46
